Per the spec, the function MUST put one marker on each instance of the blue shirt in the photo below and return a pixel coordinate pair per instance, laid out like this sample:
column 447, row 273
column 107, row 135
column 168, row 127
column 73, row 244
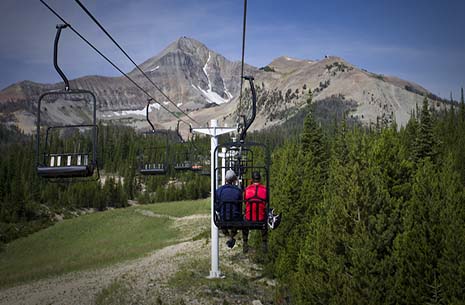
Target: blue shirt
column 229, row 202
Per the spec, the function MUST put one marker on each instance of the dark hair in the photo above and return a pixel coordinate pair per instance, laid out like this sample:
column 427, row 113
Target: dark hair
column 256, row 176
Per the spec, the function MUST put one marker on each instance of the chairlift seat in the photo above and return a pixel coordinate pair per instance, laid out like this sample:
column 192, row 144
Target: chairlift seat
column 152, row 171
column 185, row 166
column 239, row 224
column 245, row 221
column 65, row 171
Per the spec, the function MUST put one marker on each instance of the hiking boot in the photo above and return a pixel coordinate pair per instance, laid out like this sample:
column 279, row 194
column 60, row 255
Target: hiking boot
column 230, row 243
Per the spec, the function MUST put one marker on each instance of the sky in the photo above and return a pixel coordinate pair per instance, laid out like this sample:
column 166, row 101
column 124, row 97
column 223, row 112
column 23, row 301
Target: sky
column 421, row 41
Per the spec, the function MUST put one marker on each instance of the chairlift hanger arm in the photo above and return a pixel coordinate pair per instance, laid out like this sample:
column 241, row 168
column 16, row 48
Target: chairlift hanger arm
column 254, row 108
column 55, row 54
column 178, row 133
column 147, row 114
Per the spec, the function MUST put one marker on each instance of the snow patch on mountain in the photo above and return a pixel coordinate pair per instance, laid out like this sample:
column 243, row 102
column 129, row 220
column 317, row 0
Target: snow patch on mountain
column 156, row 68
column 209, row 94
column 141, row 112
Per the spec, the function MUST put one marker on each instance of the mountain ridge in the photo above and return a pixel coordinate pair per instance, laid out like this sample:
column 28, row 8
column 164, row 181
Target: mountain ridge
column 197, row 78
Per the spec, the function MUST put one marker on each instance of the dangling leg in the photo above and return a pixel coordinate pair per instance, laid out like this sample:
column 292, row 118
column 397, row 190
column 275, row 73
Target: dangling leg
column 231, row 241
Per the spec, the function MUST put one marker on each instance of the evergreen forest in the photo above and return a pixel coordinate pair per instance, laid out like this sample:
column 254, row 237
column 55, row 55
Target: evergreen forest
column 372, row 216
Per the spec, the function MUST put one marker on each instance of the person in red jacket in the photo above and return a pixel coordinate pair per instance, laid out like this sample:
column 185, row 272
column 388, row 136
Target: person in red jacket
column 255, row 209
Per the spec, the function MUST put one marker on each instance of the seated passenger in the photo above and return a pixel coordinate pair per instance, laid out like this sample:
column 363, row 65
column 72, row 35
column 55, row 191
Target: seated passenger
column 255, row 209
column 228, row 204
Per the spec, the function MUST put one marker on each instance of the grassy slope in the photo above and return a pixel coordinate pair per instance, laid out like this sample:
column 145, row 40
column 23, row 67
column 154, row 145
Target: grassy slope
column 180, row 209
column 93, row 241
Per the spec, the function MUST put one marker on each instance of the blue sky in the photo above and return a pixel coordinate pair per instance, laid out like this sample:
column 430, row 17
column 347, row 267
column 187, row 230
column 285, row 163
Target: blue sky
column 421, row 41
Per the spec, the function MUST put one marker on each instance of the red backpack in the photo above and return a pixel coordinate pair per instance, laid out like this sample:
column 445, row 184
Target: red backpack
column 255, row 202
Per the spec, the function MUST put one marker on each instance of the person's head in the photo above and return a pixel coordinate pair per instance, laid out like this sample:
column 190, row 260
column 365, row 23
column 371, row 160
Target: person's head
column 256, row 177
column 230, row 176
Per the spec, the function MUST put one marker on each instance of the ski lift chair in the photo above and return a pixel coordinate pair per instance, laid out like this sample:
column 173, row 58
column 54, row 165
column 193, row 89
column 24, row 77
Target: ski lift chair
column 225, row 209
column 153, row 159
column 55, row 162
column 183, row 154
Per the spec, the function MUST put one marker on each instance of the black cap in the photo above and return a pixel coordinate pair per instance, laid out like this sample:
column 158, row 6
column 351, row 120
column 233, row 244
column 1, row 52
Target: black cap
column 256, row 176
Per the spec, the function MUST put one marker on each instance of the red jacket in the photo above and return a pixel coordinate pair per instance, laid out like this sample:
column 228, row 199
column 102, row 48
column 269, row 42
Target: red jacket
column 255, row 198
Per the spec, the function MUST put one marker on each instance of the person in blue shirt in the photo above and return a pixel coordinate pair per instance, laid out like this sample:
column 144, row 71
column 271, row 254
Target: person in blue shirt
column 229, row 202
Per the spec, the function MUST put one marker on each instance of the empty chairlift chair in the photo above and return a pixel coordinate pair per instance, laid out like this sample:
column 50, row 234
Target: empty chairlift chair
column 154, row 155
column 183, row 154
column 68, row 150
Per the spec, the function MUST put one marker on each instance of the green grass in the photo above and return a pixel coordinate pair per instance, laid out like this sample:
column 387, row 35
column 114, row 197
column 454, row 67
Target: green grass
column 180, row 208
column 92, row 241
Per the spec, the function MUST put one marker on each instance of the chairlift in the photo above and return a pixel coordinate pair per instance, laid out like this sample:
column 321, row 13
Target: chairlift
column 153, row 158
column 240, row 158
column 61, row 162
column 185, row 154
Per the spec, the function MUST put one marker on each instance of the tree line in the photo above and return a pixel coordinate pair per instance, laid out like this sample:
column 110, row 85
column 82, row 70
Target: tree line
column 372, row 216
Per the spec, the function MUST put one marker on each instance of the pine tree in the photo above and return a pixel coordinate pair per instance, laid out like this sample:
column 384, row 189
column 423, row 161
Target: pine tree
column 312, row 140
column 424, row 144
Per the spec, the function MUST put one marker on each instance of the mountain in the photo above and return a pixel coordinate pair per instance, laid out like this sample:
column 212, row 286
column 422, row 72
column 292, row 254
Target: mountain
column 206, row 85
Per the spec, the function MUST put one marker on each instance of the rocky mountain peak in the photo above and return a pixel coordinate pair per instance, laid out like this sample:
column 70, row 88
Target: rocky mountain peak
column 183, row 46
column 189, row 45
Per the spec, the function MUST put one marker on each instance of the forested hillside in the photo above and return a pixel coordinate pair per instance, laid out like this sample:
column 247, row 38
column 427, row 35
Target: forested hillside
column 372, row 216
column 29, row 203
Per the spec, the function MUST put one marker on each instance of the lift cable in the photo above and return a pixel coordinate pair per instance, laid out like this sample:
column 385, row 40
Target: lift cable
column 109, row 61
column 243, row 51
column 130, row 59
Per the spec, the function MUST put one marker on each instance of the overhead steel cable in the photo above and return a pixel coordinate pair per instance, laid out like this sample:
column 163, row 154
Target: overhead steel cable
column 109, row 61
column 130, row 59
column 244, row 23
